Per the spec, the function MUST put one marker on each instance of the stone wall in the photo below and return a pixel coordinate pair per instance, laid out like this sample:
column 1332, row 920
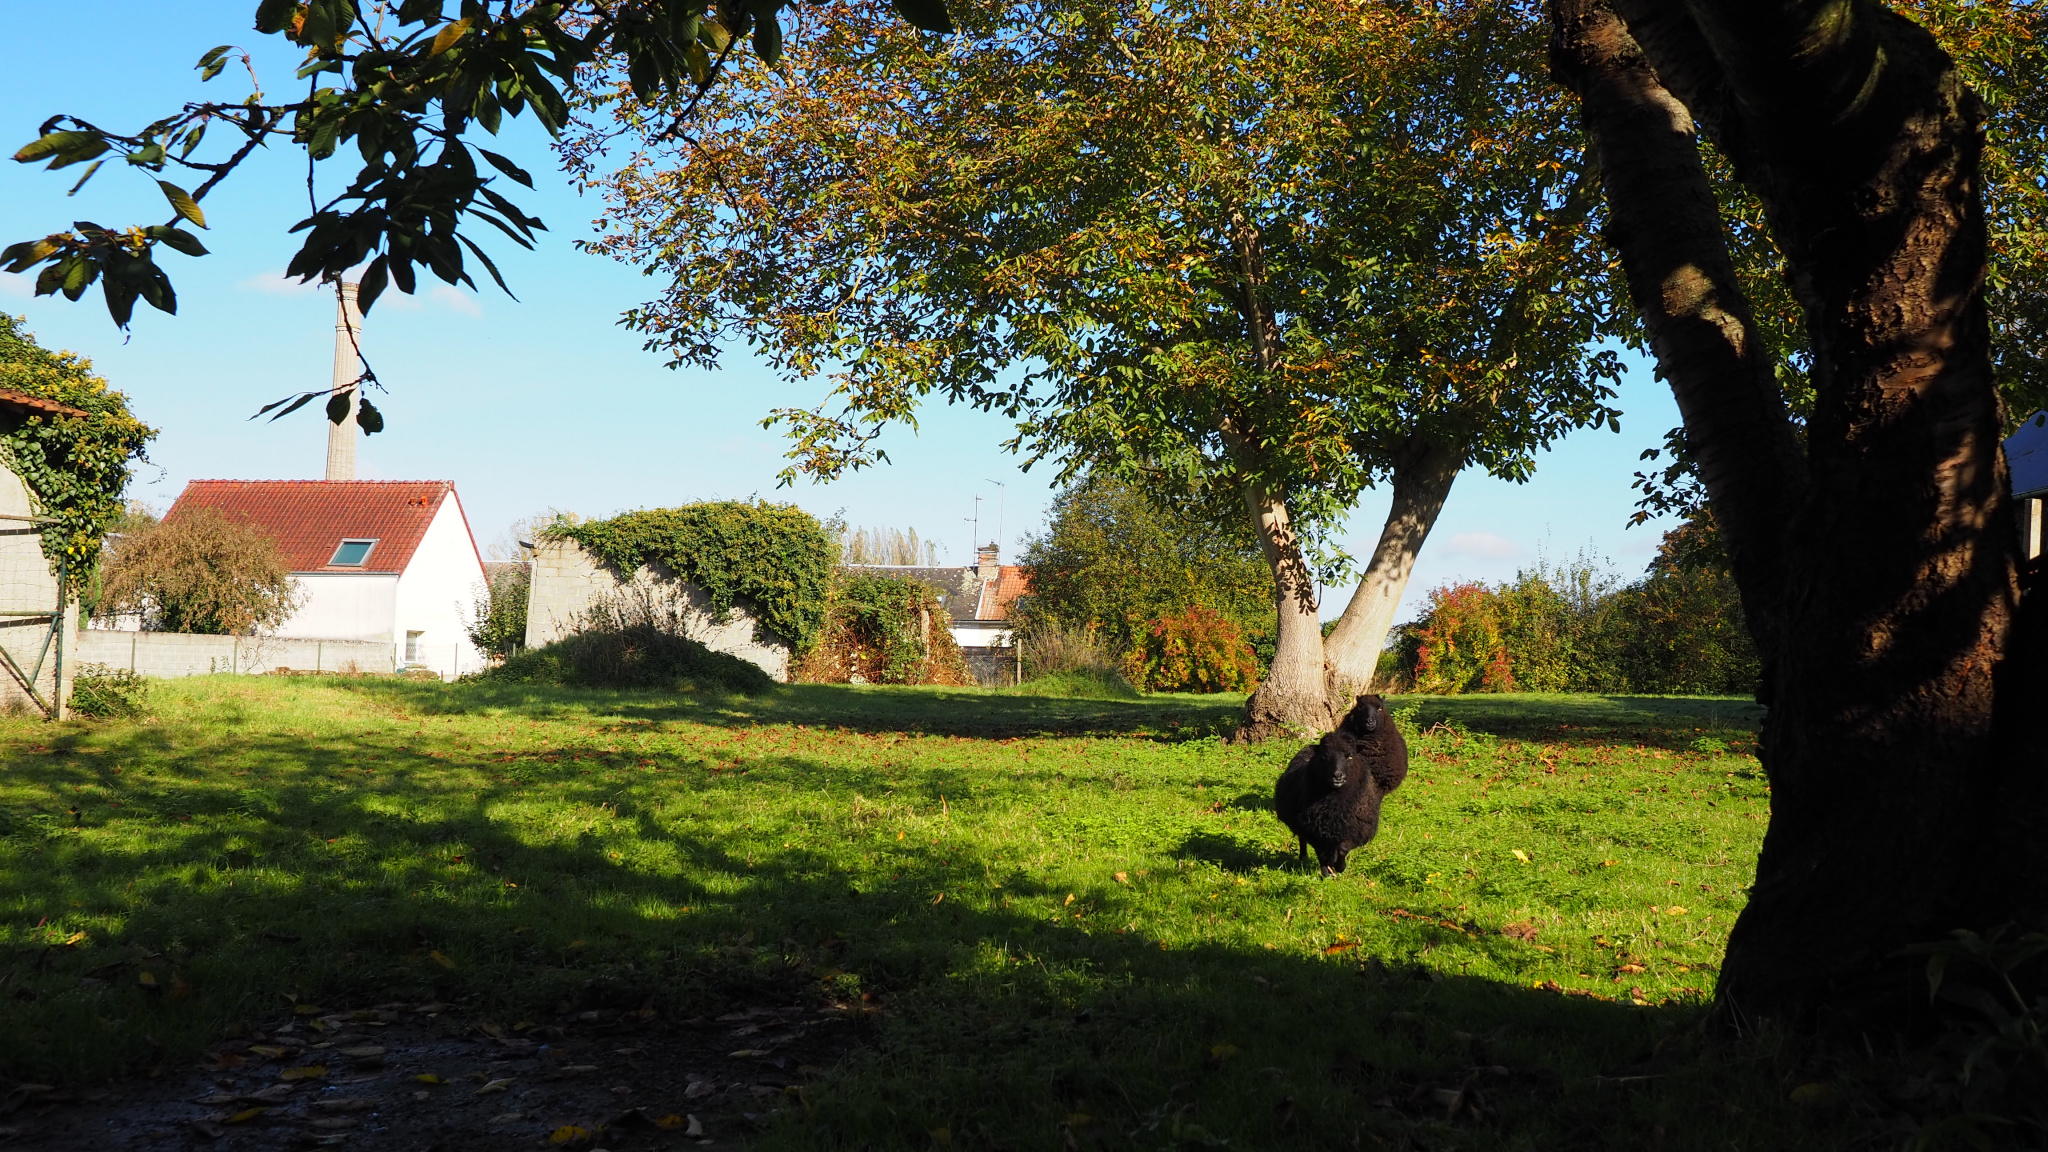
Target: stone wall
column 171, row 654
column 568, row 582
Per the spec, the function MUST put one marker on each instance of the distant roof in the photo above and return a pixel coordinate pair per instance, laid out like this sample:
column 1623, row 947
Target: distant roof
column 21, row 401
column 310, row 518
column 2026, row 454
column 962, row 591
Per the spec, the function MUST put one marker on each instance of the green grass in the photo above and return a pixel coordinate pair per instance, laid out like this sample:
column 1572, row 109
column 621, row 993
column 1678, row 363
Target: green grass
column 1079, row 915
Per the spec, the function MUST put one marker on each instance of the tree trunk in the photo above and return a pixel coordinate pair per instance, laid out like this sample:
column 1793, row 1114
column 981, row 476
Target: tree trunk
column 1881, row 582
column 1423, row 472
column 1294, row 699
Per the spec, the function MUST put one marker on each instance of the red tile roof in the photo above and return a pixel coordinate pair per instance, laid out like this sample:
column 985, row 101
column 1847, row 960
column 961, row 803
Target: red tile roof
column 999, row 592
column 309, row 518
column 21, row 400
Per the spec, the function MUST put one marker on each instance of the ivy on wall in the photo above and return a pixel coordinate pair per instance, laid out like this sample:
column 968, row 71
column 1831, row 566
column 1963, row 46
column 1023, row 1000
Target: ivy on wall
column 886, row 629
column 75, row 468
column 775, row 557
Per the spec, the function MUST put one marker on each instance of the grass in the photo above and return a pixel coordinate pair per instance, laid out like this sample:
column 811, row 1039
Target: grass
column 1082, row 922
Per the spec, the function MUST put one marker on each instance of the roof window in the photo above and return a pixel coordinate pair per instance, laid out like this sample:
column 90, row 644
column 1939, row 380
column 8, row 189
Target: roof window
column 352, row 553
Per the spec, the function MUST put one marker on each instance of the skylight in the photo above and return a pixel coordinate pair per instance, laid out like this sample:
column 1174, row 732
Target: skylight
column 352, row 553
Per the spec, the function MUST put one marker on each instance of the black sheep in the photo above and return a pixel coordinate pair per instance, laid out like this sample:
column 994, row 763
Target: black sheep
column 1330, row 794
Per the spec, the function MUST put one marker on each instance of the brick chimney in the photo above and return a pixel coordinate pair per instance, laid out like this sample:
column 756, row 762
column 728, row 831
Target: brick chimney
column 985, row 560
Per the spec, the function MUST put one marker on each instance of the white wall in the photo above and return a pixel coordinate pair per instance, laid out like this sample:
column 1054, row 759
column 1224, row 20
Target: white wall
column 437, row 595
column 172, row 654
column 344, row 606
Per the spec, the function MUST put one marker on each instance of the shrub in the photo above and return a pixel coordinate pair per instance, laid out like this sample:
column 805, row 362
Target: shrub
column 498, row 626
column 884, row 629
column 106, row 693
column 1080, row 684
column 633, row 642
column 1194, row 650
column 1113, row 558
column 198, row 572
column 1053, row 648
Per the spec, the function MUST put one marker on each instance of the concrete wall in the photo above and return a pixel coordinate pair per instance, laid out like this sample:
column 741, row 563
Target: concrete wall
column 172, row 654
column 568, row 582
column 437, row 595
column 27, row 585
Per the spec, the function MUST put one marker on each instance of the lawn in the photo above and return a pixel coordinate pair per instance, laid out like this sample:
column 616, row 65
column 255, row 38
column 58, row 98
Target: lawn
column 1076, row 922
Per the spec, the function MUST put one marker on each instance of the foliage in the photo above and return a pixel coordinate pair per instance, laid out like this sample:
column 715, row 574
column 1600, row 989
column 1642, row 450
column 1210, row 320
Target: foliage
column 1193, row 650
column 1987, row 1073
column 1049, row 221
column 884, row 629
column 1569, row 628
column 75, row 468
column 1079, row 684
column 199, row 572
column 330, row 873
column 632, row 642
column 405, row 84
column 1113, row 557
column 775, row 558
column 497, row 623
column 108, row 693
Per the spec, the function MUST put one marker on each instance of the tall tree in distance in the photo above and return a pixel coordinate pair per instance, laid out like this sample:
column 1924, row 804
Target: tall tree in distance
column 1254, row 254
column 1877, row 560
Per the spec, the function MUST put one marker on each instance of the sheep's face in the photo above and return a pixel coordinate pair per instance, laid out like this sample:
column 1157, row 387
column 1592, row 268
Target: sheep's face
column 1367, row 715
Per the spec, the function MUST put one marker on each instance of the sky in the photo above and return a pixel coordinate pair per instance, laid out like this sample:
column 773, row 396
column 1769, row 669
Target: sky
column 544, row 402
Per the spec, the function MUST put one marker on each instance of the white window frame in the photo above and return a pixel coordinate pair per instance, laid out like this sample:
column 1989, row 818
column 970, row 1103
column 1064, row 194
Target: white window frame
column 334, row 561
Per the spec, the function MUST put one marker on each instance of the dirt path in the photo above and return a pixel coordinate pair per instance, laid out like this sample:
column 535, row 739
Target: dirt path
column 414, row 1077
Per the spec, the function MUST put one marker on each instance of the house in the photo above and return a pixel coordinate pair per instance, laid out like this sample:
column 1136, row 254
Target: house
column 383, row 560
column 35, row 668
column 981, row 599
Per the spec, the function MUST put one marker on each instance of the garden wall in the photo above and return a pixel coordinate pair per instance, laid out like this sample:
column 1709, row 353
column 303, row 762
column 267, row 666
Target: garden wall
column 568, row 582
column 172, row 654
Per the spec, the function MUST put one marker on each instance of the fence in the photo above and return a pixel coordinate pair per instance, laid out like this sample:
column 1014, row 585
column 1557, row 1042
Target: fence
column 172, row 654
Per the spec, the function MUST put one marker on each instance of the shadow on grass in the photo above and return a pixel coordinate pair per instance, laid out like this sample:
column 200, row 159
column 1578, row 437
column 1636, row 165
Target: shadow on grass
column 1003, row 1027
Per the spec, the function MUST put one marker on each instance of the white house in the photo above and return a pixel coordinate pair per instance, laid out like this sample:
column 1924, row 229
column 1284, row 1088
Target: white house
column 384, row 560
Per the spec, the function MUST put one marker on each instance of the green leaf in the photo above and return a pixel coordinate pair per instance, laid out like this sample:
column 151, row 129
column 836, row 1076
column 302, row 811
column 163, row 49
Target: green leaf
column 211, row 64
column 337, row 405
column 929, row 15
column 177, row 238
column 768, row 38
column 419, row 11
column 183, row 202
column 372, row 284
column 507, row 167
column 66, row 147
column 27, row 254
column 90, row 169
column 368, row 418
column 273, row 15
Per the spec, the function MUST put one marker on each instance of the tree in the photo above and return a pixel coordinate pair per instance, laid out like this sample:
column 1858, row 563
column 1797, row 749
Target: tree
column 497, row 624
column 1877, row 560
column 1251, row 255
column 1112, row 559
column 199, row 572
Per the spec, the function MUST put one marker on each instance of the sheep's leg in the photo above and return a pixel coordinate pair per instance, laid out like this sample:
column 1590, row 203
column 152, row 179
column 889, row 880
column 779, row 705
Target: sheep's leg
column 1301, row 857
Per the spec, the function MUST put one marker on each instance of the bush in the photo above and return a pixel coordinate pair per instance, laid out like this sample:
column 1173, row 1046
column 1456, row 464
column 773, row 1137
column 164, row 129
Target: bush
column 1113, row 559
column 1080, row 684
column 631, row 643
column 498, row 627
column 1053, row 648
column 884, row 629
column 198, row 572
column 107, row 693
column 1194, row 650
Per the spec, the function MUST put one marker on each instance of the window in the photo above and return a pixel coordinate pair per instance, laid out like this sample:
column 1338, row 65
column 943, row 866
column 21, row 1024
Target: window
column 352, row 553
column 412, row 647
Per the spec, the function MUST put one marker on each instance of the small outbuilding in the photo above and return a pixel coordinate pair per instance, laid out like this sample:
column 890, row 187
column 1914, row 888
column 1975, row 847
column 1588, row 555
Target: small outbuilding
column 982, row 600
column 381, row 560
column 35, row 620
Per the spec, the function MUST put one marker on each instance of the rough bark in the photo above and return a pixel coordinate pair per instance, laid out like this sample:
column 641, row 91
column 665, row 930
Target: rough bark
column 1422, row 476
column 1293, row 701
column 1886, row 603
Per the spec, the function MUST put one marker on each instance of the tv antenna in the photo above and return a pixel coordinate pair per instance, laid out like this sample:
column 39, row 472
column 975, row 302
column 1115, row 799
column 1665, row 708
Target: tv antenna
column 975, row 542
column 1002, row 499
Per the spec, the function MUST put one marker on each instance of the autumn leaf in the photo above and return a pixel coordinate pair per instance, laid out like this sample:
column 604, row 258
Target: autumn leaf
column 1521, row 855
column 568, row 1134
column 430, row 1078
column 270, row 1050
column 304, row 1072
column 244, row 1116
column 441, row 958
column 1340, row 946
column 498, row 1085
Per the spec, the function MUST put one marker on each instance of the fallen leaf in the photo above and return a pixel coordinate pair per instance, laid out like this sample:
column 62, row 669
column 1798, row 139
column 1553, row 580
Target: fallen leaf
column 363, row 1052
column 579, row 1068
column 272, row 1094
column 430, row 1078
column 568, row 1134
column 1814, row 1093
column 1674, row 910
column 696, row 1127
column 1070, row 898
column 1123, row 877
column 1521, row 855
column 146, row 979
column 244, row 1116
column 1631, row 968
column 498, row 1085
column 1610, row 863
column 270, row 1050
column 748, row 1053
column 306, row 1010
column 942, row 1135
column 939, row 897
column 670, row 1122
column 73, row 939
column 1340, row 946
column 305, row 1072
column 345, row 1104
column 441, row 958
column 1222, row 1051
column 333, row 1122
column 508, row 1117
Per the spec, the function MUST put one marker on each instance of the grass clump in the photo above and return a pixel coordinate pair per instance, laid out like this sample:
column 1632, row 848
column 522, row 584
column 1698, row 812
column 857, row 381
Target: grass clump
column 103, row 692
column 1080, row 684
column 635, row 656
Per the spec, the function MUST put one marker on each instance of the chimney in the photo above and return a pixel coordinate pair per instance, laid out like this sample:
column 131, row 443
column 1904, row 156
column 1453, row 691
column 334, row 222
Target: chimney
column 348, row 365
column 985, row 560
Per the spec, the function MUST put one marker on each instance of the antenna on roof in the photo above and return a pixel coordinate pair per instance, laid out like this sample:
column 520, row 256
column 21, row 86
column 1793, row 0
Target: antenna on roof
column 974, row 542
column 1002, row 500
column 348, row 371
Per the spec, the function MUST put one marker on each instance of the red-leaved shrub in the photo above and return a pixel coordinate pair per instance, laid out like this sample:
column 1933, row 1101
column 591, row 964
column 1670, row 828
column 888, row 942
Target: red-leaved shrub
column 1195, row 650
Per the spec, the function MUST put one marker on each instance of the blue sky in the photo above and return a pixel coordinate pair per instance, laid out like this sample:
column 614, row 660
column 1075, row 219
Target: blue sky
column 545, row 402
